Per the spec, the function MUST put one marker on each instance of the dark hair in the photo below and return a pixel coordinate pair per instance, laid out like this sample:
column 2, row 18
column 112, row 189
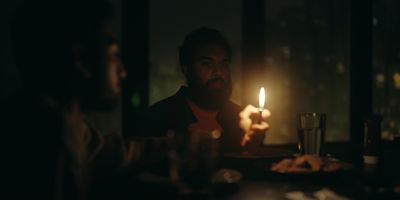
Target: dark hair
column 46, row 34
column 200, row 37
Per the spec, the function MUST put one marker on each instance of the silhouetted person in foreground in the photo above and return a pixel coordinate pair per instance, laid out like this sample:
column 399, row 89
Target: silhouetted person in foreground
column 69, row 63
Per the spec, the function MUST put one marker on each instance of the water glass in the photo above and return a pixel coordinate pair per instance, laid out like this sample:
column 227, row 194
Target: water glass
column 311, row 132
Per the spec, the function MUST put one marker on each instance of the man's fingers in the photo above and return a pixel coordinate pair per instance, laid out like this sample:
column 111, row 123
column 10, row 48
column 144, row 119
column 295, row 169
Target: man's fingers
column 247, row 111
column 265, row 114
column 248, row 116
column 246, row 137
column 251, row 111
column 262, row 126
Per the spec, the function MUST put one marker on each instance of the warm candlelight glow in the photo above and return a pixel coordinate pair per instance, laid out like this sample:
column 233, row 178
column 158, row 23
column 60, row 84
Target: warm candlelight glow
column 261, row 98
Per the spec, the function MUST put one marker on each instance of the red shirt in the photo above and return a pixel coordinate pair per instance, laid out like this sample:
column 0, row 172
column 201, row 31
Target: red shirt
column 206, row 119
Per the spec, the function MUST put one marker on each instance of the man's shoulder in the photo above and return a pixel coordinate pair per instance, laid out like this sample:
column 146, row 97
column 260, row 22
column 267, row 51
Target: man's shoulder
column 174, row 105
column 168, row 102
column 169, row 113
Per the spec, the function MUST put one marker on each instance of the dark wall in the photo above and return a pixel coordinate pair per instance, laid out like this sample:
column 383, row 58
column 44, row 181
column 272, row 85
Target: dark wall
column 9, row 78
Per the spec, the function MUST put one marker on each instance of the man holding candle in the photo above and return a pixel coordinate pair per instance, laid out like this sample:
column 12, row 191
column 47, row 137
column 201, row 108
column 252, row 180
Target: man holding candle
column 203, row 105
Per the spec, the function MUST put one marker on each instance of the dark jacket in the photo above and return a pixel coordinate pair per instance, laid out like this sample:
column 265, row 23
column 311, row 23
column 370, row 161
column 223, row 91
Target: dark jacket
column 174, row 113
column 43, row 158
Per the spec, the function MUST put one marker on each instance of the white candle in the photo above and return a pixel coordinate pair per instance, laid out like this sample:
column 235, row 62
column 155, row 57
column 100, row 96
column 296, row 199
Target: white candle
column 261, row 104
column 261, row 99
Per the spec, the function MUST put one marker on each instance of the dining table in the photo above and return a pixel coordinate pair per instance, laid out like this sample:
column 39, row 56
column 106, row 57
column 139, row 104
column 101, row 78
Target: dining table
column 257, row 181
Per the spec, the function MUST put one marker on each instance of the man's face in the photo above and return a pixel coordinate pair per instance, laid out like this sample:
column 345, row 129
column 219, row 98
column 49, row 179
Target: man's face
column 209, row 74
column 114, row 73
column 107, row 72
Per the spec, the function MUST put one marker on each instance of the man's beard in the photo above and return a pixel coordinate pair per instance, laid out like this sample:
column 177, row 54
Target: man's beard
column 210, row 98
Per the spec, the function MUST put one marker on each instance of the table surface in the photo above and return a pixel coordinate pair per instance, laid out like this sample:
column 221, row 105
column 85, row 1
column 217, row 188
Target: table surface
column 362, row 182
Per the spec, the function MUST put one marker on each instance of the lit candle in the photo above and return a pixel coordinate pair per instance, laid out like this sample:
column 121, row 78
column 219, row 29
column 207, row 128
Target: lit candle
column 261, row 102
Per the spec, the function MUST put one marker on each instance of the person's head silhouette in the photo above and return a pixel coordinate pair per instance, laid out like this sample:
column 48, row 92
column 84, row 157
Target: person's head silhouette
column 67, row 49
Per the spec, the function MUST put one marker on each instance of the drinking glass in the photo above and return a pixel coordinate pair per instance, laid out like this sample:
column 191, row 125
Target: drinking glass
column 311, row 132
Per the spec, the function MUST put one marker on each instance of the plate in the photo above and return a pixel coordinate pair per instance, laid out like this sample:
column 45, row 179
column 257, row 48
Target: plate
column 226, row 176
column 251, row 164
column 345, row 170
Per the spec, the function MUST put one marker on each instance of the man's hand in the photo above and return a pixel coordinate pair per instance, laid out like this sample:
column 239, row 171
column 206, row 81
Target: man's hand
column 247, row 123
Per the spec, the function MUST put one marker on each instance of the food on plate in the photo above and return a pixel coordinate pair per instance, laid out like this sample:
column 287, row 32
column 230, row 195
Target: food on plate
column 306, row 164
column 331, row 167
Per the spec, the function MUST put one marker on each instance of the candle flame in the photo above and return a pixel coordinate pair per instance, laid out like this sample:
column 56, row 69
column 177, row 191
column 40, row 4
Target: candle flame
column 261, row 98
